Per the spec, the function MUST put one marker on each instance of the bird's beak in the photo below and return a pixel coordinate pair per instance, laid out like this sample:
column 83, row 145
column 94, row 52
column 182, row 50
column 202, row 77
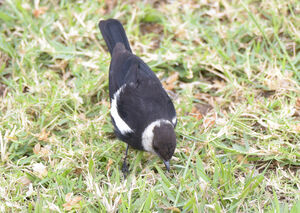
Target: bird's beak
column 167, row 164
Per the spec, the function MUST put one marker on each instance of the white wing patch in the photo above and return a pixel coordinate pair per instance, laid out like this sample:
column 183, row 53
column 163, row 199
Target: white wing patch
column 174, row 120
column 120, row 123
column 147, row 136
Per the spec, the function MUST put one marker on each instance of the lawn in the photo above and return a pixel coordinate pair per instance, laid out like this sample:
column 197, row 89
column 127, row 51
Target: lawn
column 232, row 69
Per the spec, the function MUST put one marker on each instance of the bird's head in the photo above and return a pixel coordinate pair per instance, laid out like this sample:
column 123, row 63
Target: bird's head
column 159, row 138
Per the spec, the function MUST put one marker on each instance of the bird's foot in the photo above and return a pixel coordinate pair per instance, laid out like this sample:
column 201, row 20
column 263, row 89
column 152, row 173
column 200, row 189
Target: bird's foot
column 125, row 169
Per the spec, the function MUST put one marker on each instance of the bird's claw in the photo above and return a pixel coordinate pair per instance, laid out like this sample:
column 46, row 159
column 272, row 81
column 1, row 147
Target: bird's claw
column 125, row 169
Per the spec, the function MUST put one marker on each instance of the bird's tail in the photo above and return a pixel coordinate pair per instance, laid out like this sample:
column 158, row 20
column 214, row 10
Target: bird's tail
column 113, row 32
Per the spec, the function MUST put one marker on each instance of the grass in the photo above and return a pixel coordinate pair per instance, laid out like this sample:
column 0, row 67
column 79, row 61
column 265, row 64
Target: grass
column 231, row 67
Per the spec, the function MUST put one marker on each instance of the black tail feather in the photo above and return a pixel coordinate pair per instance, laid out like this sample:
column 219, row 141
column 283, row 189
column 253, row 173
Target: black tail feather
column 113, row 32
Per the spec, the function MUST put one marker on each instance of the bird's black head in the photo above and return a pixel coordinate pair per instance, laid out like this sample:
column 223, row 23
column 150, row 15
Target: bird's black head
column 164, row 141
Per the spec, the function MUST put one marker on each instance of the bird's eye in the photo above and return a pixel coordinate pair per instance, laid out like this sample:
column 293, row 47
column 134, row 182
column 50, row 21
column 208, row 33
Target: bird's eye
column 155, row 148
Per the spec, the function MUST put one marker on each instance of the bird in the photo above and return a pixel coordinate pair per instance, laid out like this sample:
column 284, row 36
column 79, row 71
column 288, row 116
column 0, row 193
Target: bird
column 142, row 113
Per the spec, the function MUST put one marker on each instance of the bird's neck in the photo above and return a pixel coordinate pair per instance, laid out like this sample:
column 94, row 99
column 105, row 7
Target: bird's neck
column 147, row 136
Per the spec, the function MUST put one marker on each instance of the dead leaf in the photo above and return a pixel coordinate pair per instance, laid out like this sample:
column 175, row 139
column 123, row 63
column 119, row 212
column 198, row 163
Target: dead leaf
column 42, row 151
column 170, row 83
column 43, row 136
column 82, row 116
column 110, row 5
column 203, row 108
column 40, row 169
column 37, row 148
column 78, row 171
column 109, row 163
column 298, row 103
column 196, row 113
column 168, row 86
column 24, row 180
column 173, row 209
column 45, row 151
column 267, row 93
column 219, row 84
column 39, row 11
column 154, row 28
column 241, row 159
column 172, row 78
column 71, row 202
column 209, row 121
column 297, row 127
column 62, row 65
column 68, row 196
column 199, row 110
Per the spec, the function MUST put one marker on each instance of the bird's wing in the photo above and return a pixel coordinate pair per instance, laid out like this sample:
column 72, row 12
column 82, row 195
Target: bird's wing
column 121, row 68
column 143, row 99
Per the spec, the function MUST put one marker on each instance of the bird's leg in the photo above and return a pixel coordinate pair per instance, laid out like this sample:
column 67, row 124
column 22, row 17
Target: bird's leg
column 125, row 166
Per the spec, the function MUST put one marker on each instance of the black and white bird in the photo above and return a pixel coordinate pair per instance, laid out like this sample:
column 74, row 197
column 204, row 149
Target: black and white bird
column 142, row 113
